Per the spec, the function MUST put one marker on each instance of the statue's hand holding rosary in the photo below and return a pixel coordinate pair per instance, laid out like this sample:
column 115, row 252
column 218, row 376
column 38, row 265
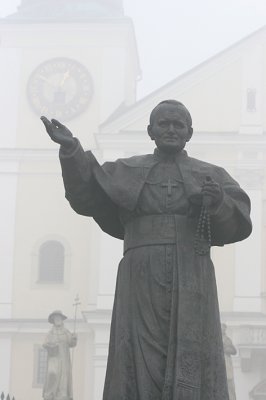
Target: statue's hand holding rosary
column 211, row 196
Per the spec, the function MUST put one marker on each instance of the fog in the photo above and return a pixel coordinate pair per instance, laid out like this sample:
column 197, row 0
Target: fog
column 101, row 77
column 174, row 36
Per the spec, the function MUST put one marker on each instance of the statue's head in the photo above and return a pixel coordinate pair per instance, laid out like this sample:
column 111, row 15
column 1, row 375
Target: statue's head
column 224, row 327
column 56, row 318
column 170, row 126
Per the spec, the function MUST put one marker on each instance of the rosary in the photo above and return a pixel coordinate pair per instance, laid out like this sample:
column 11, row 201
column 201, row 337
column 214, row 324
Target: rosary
column 202, row 243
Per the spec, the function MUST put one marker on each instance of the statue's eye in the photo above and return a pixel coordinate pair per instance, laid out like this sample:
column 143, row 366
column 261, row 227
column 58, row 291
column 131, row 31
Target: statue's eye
column 163, row 124
column 179, row 124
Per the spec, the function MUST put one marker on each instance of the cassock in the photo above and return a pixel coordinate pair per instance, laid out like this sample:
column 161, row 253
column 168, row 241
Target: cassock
column 165, row 340
column 58, row 377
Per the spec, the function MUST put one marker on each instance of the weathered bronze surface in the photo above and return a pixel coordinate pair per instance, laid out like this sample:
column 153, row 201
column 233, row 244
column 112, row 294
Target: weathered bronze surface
column 166, row 341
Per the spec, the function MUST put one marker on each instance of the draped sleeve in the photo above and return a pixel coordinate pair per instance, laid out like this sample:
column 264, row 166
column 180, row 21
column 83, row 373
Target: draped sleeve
column 83, row 192
column 230, row 221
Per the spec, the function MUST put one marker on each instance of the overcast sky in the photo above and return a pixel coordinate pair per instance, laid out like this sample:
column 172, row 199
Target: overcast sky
column 174, row 36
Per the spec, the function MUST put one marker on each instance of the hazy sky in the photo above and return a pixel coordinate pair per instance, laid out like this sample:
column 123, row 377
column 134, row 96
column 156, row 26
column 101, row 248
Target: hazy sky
column 174, row 36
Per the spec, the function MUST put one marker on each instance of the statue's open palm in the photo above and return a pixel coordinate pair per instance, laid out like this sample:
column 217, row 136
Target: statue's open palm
column 58, row 132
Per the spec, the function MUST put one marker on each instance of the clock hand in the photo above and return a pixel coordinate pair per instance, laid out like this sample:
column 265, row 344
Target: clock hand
column 43, row 78
column 65, row 76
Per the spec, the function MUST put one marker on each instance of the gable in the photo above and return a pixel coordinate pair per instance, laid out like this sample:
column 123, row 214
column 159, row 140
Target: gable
column 213, row 92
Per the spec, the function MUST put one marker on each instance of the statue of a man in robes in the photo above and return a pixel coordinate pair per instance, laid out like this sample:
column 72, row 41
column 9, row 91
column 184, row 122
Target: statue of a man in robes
column 229, row 351
column 58, row 380
column 165, row 341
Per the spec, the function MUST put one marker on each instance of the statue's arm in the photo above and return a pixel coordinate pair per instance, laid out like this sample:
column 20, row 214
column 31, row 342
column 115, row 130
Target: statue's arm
column 81, row 189
column 230, row 219
column 76, row 169
column 50, row 344
column 72, row 339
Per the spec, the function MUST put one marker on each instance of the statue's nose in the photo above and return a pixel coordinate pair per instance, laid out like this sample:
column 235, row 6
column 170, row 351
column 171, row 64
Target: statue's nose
column 171, row 128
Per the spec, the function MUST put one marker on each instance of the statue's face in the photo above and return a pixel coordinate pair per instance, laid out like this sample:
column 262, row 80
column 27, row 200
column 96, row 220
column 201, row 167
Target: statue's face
column 169, row 128
column 58, row 320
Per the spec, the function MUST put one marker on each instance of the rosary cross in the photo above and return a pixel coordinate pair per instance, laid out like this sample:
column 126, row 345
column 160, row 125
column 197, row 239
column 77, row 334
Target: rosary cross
column 169, row 185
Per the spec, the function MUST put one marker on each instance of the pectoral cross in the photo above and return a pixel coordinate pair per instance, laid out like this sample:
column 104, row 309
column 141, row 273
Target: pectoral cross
column 169, row 185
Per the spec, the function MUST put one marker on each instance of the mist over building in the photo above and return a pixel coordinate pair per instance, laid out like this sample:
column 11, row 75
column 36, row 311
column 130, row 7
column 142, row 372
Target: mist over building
column 78, row 61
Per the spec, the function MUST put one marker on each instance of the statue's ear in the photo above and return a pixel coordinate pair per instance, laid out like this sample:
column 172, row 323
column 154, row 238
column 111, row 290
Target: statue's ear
column 190, row 133
column 149, row 130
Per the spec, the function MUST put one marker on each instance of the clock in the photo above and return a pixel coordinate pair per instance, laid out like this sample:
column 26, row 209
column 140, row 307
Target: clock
column 60, row 88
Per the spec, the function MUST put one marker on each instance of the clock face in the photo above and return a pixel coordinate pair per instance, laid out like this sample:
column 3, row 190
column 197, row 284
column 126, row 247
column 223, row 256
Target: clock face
column 60, row 88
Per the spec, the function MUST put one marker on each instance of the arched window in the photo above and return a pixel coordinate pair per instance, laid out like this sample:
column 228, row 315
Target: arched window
column 259, row 391
column 51, row 262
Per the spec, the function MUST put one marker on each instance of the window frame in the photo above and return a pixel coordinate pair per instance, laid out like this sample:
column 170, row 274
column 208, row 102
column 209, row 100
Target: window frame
column 39, row 284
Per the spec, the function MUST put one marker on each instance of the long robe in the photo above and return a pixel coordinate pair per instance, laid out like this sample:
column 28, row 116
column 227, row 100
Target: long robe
column 58, row 378
column 229, row 351
column 165, row 341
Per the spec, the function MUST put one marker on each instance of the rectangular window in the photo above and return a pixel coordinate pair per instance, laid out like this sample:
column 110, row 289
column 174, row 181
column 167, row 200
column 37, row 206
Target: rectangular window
column 251, row 100
column 40, row 364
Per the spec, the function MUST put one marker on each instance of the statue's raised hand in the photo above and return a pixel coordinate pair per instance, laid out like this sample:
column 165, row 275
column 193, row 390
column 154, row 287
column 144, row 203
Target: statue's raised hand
column 58, row 132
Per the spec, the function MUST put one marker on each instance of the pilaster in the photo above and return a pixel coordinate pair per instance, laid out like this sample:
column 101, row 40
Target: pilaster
column 248, row 254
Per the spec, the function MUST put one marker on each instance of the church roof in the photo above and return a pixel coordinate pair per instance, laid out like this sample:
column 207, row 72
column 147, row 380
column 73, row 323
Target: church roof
column 123, row 114
column 65, row 10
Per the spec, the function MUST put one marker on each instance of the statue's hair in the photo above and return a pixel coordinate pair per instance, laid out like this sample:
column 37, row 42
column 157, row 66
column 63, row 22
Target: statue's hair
column 176, row 103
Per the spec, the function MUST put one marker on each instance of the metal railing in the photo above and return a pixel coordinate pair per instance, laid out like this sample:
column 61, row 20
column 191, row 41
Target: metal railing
column 6, row 397
column 252, row 335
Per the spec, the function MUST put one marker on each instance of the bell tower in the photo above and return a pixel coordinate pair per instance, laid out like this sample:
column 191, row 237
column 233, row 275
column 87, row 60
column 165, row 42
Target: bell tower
column 76, row 61
column 73, row 60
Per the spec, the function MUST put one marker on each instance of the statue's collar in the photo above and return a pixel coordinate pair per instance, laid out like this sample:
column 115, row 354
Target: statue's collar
column 58, row 329
column 169, row 157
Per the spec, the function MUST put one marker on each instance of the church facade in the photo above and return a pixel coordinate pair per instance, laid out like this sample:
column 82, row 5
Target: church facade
column 80, row 64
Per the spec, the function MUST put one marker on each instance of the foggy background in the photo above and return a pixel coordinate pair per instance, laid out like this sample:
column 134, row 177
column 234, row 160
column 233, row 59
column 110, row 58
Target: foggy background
column 173, row 36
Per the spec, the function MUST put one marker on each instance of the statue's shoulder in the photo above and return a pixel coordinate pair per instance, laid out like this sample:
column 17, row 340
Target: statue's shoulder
column 204, row 164
column 217, row 172
column 146, row 160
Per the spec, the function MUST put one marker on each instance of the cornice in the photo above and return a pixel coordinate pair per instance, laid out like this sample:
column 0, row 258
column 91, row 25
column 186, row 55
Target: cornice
column 36, row 326
column 97, row 318
column 22, row 154
column 199, row 138
column 243, row 318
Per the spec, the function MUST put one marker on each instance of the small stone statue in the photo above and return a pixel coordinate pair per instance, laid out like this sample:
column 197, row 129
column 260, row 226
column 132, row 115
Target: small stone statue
column 229, row 350
column 58, row 381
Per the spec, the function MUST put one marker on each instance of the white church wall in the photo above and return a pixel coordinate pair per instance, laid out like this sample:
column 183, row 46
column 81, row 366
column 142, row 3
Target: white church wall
column 10, row 61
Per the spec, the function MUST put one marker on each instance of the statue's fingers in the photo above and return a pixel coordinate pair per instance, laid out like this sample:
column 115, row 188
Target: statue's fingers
column 211, row 191
column 44, row 120
column 208, row 179
column 212, row 186
column 47, row 124
column 57, row 123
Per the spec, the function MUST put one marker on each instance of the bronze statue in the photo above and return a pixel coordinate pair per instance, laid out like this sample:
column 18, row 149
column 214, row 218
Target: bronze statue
column 58, row 380
column 229, row 351
column 165, row 341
